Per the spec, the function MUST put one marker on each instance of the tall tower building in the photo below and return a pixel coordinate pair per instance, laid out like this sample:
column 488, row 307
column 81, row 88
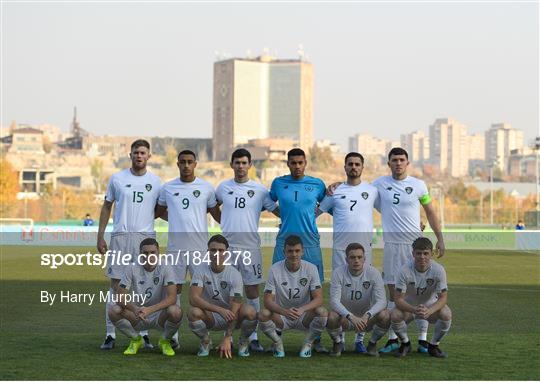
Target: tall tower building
column 501, row 138
column 263, row 97
column 417, row 146
column 448, row 147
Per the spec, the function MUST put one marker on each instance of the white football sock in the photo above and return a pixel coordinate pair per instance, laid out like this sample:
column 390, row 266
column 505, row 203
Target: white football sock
column 269, row 328
column 199, row 328
column 255, row 303
column 422, row 326
column 170, row 328
column 391, row 334
column 125, row 327
column 334, row 334
column 400, row 328
column 441, row 328
column 111, row 329
column 359, row 337
column 247, row 327
column 316, row 328
column 377, row 334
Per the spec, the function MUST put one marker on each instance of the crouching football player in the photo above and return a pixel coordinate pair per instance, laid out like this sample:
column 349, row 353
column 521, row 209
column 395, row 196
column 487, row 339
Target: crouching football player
column 216, row 299
column 293, row 299
column 358, row 301
column 421, row 292
column 157, row 284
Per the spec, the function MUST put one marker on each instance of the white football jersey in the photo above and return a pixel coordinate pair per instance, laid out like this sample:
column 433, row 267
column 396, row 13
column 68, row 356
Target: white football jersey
column 134, row 200
column 187, row 205
column 421, row 287
column 352, row 210
column 357, row 294
column 399, row 205
column 152, row 284
column 292, row 289
column 219, row 288
column 242, row 204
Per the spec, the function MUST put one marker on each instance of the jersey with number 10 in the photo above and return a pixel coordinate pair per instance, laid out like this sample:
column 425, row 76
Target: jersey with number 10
column 297, row 202
column 399, row 206
column 240, row 212
column 135, row 199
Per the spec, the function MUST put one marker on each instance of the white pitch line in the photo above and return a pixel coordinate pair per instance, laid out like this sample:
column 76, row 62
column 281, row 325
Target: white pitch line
column 503, row 289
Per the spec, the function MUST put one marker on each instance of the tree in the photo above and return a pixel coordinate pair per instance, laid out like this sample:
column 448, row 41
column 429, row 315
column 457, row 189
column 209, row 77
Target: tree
column 321, row 158
column 9, row 187
column 96, row 169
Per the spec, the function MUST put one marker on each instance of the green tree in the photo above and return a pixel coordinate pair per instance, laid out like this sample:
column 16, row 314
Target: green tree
column 9, row 187
column 321, row 158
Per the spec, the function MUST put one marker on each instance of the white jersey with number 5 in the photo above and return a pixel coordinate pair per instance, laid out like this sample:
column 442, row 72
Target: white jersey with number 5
column 399, row 205
column 187, row 204
column 352, row 210
column 135, row 199
column 218, row 288
column 241, row 210
column 292, row 289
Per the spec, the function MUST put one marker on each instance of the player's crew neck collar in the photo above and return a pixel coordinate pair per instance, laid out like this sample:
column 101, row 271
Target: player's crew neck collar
column 360, row 274
column 288, row 270
column 193, row 181
column 130, row 170
column 399, row 180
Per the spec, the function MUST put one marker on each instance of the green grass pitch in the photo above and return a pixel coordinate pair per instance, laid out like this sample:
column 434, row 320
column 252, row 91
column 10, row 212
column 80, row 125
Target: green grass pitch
column 495, row 334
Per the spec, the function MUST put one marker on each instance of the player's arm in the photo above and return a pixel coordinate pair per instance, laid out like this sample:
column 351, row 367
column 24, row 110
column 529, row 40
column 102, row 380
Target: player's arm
column 196, row 299
column 401, row 304
column 122, row 292
column 379, row 295
column 170, row 299
column 161, row 212
column 335, row 297
column 442, row 298
column 270, row 303
column 316, row 300
column 225, row 348
column 435, row 226
column 104, row 217
column 215, row 212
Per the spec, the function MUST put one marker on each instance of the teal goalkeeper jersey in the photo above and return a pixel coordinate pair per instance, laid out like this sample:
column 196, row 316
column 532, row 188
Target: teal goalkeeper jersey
column 297, row 202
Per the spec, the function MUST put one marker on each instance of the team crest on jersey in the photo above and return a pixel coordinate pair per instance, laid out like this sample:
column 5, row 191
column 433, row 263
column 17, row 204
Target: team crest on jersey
column 148, row 187
column 348, row 285
column 196, row 193
column 365, row 195
column 430, row 282
column 156, row 280
column 284, row 283
column 408, row 190
column 303, row 281
column 223, row 284
column 366, row 284
column 251, row 193
column 308, row 188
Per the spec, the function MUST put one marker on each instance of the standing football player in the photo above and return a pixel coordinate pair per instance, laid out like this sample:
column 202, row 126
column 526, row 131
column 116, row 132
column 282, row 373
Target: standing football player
column 242, row 200
column 421, row 291
column 400, row 198
column 186, row 201
column 358, row 301
column 147, row 277
column 293, row 299
column 216, row 299
column 134, row 192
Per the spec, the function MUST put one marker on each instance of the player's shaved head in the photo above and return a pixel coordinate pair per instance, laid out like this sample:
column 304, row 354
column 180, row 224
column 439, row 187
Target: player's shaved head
column 295, row 152
column 187, row 152
column 422, row 244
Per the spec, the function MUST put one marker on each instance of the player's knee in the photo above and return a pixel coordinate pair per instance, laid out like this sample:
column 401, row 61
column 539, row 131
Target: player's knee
column 383, row 318
column 396, row 315
column 195, row 314
column 333, row 320
column 321, row 311
column 264, row 315
column 445, row 313
column 249, row 312
column 174, row 313
column 115, row 312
